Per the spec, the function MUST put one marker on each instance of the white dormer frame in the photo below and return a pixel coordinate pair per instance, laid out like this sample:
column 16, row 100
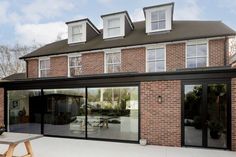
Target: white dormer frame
column 121, row 17
column 70, row 32
column 168, row 18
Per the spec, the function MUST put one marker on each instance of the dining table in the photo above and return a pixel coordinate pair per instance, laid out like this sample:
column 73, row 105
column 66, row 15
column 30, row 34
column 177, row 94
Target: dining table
column 14, row 139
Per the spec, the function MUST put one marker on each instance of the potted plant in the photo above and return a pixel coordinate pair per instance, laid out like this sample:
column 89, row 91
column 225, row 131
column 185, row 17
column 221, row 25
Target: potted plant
column 216, row 129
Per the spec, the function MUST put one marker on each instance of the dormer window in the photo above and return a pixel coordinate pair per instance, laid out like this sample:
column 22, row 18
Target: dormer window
column 159, row 18
column 113, row 27
column 116, row 25
column 77, row 33
column 81, row 31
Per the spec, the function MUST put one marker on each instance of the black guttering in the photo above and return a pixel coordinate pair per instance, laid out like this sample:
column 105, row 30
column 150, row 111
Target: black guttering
column 85, row 19
column 100, row 79
column 120, row 12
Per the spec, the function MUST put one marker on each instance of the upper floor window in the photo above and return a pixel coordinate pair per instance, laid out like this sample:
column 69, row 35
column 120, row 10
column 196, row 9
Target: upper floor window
column 113, row 27
column 113, row 62
column 197, row 55
column 75, row 66
column 158, row 20
column 44, row 67
column 77, row 33
column 156, row 59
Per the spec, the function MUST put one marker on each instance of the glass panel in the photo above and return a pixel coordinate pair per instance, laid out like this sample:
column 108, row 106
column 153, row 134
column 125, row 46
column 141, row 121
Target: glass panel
column 75, row 61
column 162, row 15
column 113, row 113
column 151, row 54
column 160, row 54
column 151, row 66
column 116, row 57
column 161, row 24
column 114, row 31
column 77, row 37
column 75, row 71
column 202, row 50
column 201, row 62
column 116, row 68
column 109, row 68
column 217, row 115
column 160, row 66
column 114, row 23
column 191, row 63
column 44, row 73
column 193, row 115
column 24, row 111
column 64, row 112
column 154, row 16
column 76, row 29
column 191, row 51
column 154, row 25
column 45, row 64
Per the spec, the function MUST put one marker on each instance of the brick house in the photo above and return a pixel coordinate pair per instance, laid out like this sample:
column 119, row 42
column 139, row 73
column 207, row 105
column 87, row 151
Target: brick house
column 170, row 82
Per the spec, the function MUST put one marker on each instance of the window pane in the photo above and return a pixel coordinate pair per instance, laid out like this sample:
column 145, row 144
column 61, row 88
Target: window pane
column 151, row 66
column 76, row 29
column 44, row 73
column 113, row 31
column 75, row 71
column 113, row 113
column 160, row 66
column 109, row 57
column 64, row 112
column 151, row 54
column 77, row 37
column 160, row 54
column 116, row 57
column 154, row 25
column 162, row 24
column 24, row 111
column 191, row 50
column 201, row 62
column 191, row 63
column 75, row 61
column 114, row 23
column 116, row 68
column 162, row 15
column 154, row 16
column 201, row 50
column 109, row 68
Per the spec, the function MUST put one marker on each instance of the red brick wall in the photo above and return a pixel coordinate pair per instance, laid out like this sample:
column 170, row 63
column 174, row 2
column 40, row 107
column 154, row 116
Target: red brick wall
column 93, row 63
column 175, row 56
column 32, row 68
column 216, row 52
column 133, row 60
column 161, row 122
column 233, row 104
column 1, row 106
column 59, row 66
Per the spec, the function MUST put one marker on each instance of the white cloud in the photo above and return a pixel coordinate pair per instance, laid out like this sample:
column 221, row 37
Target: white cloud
column 189, row 10
column 39, row 9
column 137, row 15
column 3, row 11
column 40, row 33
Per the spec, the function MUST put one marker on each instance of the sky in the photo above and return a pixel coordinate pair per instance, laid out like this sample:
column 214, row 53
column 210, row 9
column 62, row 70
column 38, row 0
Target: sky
column 28, row 22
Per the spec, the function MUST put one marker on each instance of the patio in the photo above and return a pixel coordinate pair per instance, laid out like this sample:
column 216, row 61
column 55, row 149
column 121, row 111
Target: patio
column 61, row 147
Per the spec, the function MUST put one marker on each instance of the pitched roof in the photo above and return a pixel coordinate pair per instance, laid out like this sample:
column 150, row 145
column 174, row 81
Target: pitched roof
column 182, row 30
column 16, row 76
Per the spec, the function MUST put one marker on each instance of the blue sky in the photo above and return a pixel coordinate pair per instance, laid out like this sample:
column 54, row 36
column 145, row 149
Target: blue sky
column 41, row 21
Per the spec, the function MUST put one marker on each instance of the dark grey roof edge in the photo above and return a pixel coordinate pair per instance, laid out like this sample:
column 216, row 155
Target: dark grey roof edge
column 15, row 76
column 161, row 5
column 120, row 12
column 85, row 19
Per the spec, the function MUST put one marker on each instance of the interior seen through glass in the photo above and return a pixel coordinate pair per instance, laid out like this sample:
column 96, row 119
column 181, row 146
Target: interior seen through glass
column 112, row 112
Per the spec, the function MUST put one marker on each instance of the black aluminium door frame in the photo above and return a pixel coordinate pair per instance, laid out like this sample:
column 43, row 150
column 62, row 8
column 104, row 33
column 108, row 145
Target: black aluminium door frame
column 6, row 112
column 204, row 83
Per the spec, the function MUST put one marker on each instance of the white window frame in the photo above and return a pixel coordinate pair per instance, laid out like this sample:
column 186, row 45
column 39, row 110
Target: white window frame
column 70, row 32
column 197, row 42
column 39, row 66
column 152, row 21
column 73, row 34
column 162, row 46
column 68, row 63
column 168, row 18
column 110, row 28
column 122, row 25
column 105, row 58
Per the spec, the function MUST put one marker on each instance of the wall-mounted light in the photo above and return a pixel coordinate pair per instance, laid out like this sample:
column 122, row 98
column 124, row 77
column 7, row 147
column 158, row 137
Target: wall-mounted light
column 159, row 99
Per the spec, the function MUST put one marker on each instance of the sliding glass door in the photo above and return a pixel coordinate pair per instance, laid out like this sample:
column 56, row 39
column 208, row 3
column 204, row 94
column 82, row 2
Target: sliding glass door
column 206, row 114
column 98, row 113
